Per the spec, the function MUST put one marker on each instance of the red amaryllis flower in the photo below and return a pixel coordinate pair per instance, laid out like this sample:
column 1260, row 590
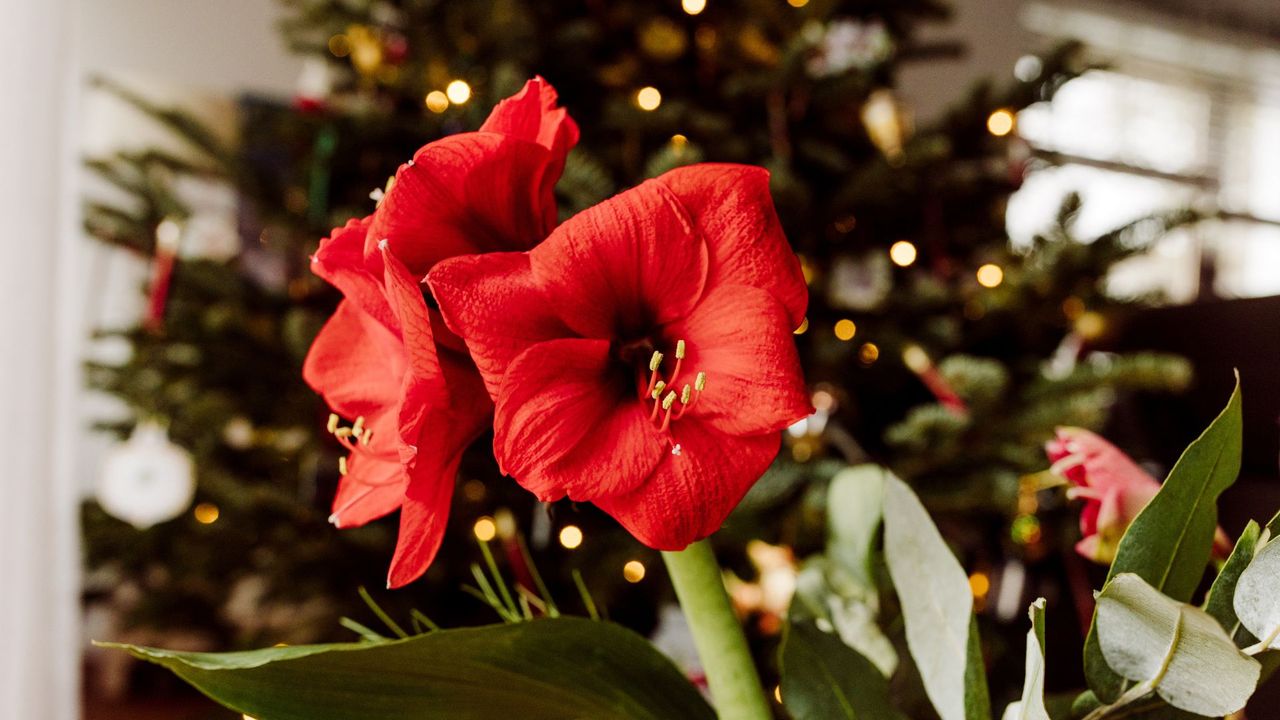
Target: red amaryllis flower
column 642, row 358
column 385, row 360
column 1113, row 487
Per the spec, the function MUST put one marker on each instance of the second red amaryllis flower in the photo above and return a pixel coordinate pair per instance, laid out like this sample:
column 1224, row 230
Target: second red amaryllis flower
column 385, row 360
column 642, row 357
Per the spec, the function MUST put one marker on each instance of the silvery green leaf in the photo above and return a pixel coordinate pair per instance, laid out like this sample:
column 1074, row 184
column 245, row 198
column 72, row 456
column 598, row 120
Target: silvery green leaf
column 1178, row 650
column 937, row 604
column 1031, row 706
column 854, row 504
column 855, row 622
column 1257, row 596
column 1220, row 602
column 830, row 598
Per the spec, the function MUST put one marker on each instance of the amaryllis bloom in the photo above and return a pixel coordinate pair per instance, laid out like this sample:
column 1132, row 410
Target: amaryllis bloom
column 1113, row 487
column 642, row 358
column 385, row 361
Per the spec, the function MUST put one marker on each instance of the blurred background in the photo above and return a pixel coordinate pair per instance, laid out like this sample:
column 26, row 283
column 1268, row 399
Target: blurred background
column 1013, row 215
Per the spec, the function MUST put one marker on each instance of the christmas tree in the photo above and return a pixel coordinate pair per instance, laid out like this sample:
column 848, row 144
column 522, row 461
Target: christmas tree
column 933, row 347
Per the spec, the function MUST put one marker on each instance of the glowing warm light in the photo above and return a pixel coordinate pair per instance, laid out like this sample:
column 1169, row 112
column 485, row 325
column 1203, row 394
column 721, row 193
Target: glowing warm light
column 846, row 329
column 804, row 325
column 570, row 536
column 633, row 571
column 679, row 140
column 797, row 3
column 648, row 98
column 823, row 401
column 473, row 490
column 1000, row 122
column 902, row 253
column 868, row 353
column 990, row 275
column 915, row 358
column 1091, row 325
column 437, row 102
column 168, row 235
column 777, row 694
column 693, row 7
column 505, row 521
column 485, row 529
column 979, row 584
column 206, row 513
column 458, row 92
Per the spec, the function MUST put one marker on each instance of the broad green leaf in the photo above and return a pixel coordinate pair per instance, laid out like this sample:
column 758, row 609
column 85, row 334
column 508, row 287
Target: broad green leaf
column 826, row 595
column 1176, row 649
column 1257, row 596
column 1031, row 706
column 937, row 606
column 541, row 670
column 854, row 505
column 1168, row 544
column 824, row 679
column 1220, row 601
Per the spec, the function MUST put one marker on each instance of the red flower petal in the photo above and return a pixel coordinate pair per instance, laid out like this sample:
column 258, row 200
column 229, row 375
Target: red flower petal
column 532, row 115
column 733, row 212
column 564, row 425
column 619, row 268
column 355, row 363
column 340, row 260
column 374, row 484
column 404, row 295
column 739, row 336
column 493, row 301
column 690, row 494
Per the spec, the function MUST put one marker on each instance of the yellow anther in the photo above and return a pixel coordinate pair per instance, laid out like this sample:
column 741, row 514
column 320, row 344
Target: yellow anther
column 668, row 400
column 342, row 465
column 685, row 392
column 343, row 432
column 679, row 349
column 332, row 427
column 658, row 388
column 700, row 382
column 655, row 362
column 358, row 428
column 367, row 437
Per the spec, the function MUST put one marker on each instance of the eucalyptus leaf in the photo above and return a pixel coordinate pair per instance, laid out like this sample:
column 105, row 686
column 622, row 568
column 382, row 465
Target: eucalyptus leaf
column 824, row 679
column 854, row 504
column 937, row 606
column 1257, row 596
column 1220, row 601
column 1031, row 706
column 549, row 669
column 1177, row 650
column 1169, row 543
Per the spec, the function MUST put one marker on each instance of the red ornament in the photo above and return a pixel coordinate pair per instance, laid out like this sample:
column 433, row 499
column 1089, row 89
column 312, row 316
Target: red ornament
column 642, row 357
column 385, row 359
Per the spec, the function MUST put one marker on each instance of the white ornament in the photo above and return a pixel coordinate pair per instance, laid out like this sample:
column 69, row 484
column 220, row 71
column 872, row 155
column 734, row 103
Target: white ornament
column 147, row 480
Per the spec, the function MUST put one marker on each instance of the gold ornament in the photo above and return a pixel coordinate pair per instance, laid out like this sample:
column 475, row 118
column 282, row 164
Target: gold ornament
column 888, row 123
column 365, row 45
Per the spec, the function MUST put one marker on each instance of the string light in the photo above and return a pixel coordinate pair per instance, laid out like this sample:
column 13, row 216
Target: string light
column 485, row 529
column 804, row 326
column 693, row 7
column 633, row 571
column 458, row 92
column 570, row 536
column 868, row 353
column 648, row 98
column 679, row 140
column 777, row 694
column 1000, row 122
column 902, row 253
column 206, row 513
column 990, row 275
column 846, row 329
column 979, row 584
column 797, row 3
column 437, row 102
column 915, row 358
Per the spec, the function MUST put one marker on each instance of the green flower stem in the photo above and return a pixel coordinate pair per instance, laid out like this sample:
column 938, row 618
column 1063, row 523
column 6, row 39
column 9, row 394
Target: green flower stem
column 726, row 659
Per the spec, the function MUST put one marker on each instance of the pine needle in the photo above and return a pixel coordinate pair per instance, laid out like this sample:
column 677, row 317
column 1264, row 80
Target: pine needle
column 382, row 614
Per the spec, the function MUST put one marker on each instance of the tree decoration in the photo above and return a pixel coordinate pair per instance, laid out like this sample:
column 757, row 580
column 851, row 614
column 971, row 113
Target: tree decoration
column 147, row 480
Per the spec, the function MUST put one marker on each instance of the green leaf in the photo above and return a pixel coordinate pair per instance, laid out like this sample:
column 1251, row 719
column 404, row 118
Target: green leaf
column 541, row 670
column 1257, row 596
column 1177, row 650
column 1031, row 706
column 937, row 606
column 824, row 679
column 1168, row 544
column 854, row 504
column 1220, row 601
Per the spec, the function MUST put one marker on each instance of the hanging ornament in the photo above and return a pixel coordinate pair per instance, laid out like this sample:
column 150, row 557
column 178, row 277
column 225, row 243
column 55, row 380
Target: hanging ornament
column 919, row 362
column 147, row 480
column 395, row 48
column 315, row 85
column 847, row 44
column 168, row 237
column 888, row 123
column 366, row 49
column 860, row 283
